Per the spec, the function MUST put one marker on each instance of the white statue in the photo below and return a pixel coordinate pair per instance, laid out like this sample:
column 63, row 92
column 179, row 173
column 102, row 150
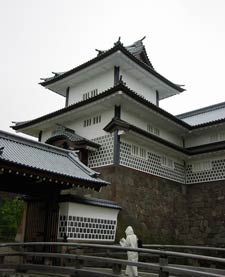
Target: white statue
column 130, row 241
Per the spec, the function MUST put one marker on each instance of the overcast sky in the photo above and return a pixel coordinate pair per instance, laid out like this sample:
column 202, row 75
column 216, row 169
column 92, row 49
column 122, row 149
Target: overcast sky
column 185, row 41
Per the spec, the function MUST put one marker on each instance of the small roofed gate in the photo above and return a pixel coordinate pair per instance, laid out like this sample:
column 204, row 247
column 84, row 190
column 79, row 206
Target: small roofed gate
column 42, row 222
column 35, row 221
column 40, row 172
column 42, row 219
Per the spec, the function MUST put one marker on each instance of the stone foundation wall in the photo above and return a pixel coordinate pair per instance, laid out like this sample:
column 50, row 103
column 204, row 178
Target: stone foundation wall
column 165, row 212
column 155, row 207
column 206, row 205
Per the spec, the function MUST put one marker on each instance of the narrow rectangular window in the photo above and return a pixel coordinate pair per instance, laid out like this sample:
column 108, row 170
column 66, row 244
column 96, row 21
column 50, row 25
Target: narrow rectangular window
column 153, row 130
column 167, row 162
column 90, row 94
column 201, row 166
column 134, row 150
column 143, row 153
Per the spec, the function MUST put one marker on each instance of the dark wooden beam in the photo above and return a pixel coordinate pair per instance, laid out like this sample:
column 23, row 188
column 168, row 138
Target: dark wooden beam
column 67, row 96
column 116, row 75
column 116, row 150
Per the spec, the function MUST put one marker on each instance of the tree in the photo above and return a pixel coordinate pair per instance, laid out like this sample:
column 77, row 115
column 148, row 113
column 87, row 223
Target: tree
column 11, row 209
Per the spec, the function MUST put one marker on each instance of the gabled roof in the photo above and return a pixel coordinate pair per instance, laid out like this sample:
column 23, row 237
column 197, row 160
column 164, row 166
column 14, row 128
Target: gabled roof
column 136, row 52
column 71, row 135
column 42, row 158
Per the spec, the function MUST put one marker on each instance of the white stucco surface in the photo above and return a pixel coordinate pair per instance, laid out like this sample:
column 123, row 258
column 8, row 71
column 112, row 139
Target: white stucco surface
column 101, row 82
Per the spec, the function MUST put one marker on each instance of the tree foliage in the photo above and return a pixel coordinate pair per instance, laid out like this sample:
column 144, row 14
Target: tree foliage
column 11, row 209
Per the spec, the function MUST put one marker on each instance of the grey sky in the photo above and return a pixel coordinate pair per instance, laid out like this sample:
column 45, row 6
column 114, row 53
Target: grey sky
column 185, row 41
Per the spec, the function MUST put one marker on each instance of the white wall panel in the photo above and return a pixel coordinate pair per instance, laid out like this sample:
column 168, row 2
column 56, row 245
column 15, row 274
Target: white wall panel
column 139, row 87
column 142, row 123
column 101, row 82
column 94, row 130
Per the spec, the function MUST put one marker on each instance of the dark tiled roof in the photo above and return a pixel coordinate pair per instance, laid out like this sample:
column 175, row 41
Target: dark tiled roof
column 138, row 50
column 140, row 60
column 209, row 123
column 43, row 157
column 63, row 132
column 202, row 110
column 213, row 121
column 89, row 201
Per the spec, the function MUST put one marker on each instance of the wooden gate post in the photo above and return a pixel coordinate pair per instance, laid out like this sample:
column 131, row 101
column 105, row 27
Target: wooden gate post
column 163, row 261
column 116, row 269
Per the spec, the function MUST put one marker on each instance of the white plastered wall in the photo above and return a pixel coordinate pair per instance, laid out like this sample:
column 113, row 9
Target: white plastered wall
column 101, row 82
column 87, row 222
column 213, row 134
column 138, row 86
column 91, row 211
column 46, row 134
column 89, row 132
column 142, row 123
column 94, row 130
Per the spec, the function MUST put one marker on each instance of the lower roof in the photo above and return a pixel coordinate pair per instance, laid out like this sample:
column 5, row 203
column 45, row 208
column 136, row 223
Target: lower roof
column 119, row 124
column 33, row 127
column 40, row 158
column 89, row 201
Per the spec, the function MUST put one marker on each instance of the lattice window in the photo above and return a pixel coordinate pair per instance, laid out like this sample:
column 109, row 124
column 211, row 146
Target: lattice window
column 138, row 151
column 167, row 162
column 202, row 166
column 90, row 94
column 134, row 150
column 153, row 130
column 217, row 136
column 95, row 120
column 87, row 122
column 86, row 228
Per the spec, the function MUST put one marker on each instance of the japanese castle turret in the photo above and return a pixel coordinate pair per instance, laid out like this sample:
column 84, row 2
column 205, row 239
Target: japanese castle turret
column 166, row 172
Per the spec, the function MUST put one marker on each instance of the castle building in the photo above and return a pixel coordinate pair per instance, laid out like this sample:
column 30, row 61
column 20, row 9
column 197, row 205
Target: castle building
column 166, row 172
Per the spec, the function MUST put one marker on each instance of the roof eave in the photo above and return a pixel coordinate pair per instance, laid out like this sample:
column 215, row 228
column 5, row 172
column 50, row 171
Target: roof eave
column 119, row 87
column 117, row 47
